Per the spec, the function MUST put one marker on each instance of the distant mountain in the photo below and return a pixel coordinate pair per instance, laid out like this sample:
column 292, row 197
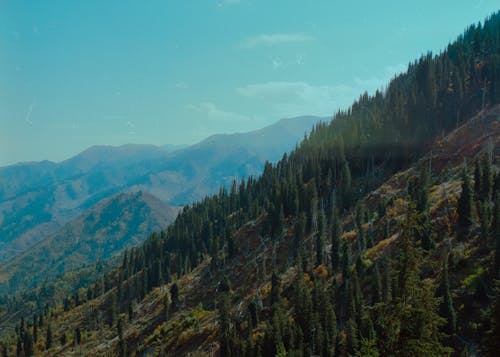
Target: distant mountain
column 218, row 160
column 103, row 230
column 37, row 199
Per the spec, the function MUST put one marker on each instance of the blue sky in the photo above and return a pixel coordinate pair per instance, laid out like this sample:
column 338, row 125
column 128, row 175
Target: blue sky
column 79, row 73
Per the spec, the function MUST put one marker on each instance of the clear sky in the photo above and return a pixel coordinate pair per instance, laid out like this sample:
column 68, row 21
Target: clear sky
column 79, row 73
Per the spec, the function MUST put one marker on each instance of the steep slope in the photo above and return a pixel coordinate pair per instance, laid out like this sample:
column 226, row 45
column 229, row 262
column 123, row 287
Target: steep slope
column 39, row 198
column 124, row 220
column 193, row 325
column 368, row 239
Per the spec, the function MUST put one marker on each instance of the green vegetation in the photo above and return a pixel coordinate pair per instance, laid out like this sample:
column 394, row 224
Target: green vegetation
column 269, row 262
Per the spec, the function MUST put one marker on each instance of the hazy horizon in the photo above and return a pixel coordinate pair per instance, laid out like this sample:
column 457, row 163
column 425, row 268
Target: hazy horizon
column 82, row 74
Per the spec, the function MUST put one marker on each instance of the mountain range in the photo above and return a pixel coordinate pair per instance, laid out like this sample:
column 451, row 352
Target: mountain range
column 44, row 202
column 377, row 235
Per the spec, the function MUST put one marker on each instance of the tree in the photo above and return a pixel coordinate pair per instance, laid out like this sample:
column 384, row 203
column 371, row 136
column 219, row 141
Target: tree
column 275, row 289
column 478, row 181
column 346, row 185
column 493, row 338
column 464, row 208
column 121, row 341
column 78, row 336
column 63, row 339
column 35, row 328
column 111, row 309
column 446, row 309
column 174, row 295
column 336, row 232
column 48, row 337
column 495, row 233
column 225, row 326
column 368, row 348
column 28, row 344
column 487, row 178
column 409, row 324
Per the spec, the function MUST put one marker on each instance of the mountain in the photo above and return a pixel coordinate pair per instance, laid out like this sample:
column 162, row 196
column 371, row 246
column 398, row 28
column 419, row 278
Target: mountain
column 379, row 235
column 218, row 160
column 255, row 283
column 37, row 199
column 124, row 220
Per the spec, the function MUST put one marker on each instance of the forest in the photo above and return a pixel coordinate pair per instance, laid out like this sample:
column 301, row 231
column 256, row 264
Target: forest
column 343, row 274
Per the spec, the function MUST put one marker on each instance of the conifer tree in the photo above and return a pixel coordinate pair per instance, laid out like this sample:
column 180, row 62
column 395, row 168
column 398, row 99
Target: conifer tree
column 446, row 309
column 225, row 326
column 174, row 295
column 487, row 178
column 121, row 342
column 335, row 238
column 346, row 185
column 28, row 344
column 495, row 233
column 48, row 337
column 63, row 339
column 111, row 309
column 492, row 343
column 35, row 328
column 408, row 325
column 78, row 336
column 464, row 208
column 275, row 289
column 478, row 181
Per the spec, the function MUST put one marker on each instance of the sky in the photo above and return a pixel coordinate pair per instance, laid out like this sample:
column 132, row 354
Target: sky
column 97, row 72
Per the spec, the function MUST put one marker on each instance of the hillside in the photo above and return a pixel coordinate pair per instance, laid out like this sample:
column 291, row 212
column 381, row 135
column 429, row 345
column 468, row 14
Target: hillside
column 379, row 235
column 124, row 220
column 193, row 325
column 37, row 199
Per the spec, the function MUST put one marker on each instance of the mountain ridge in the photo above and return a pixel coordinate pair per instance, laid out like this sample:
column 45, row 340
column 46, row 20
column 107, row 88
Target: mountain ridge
column 43, row 201
column 122, row 220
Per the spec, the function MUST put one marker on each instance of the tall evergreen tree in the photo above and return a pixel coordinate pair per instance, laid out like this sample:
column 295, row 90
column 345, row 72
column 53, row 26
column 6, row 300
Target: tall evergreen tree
column 487, row 178
column 174, row 295
column 48, row 337
column 446, row 308
column 336, row 232
column 495, row 233
column 464, row 208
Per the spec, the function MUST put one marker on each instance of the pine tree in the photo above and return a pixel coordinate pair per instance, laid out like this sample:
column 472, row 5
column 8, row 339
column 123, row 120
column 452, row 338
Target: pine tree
column 495, row 233
column 368, row 348
column 320, row 246
column 111, row 309
column 78, row 336
column 28, row 344
column 121, row 342
column 487, row 178
column 48, row 337
column 478, row 181
column 492, row 345
column 408, row 324
column 275, row 289
column 19, row 346
column 174, row 295
column 335, row 238
column 483, row 211
column 464, row 208
column 446, row 309
column 346, row 185
column 35, row 328
column 63, row 339
column 225, row 326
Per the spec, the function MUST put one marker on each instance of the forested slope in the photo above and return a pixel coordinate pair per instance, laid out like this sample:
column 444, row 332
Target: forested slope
column 378, row 235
